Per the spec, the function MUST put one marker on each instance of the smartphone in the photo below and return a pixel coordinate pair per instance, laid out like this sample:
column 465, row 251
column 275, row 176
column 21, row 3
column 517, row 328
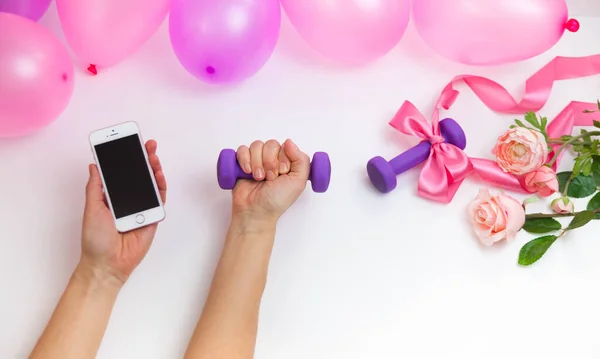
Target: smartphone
column 129, row 184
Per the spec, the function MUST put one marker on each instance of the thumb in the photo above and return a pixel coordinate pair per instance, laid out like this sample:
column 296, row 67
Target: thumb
column 300, row 162
column 93, row 190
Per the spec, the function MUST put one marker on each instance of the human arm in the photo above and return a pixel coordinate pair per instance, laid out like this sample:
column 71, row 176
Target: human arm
column 108, row 258
column 81, row 316
column 228, row 325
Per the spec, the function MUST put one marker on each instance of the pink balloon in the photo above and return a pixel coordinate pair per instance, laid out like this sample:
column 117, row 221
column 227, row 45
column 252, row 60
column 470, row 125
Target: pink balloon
column 31, row 9
column 104, row 32
column 489, row 32
column 224, row 41
column 350, row 31
column 36, row 76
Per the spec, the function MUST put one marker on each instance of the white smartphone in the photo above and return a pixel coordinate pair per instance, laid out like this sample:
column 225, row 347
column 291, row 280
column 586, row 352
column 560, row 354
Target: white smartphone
column 129, row 184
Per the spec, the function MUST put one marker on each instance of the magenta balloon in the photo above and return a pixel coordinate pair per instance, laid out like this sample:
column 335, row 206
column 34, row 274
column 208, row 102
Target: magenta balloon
column 490, row 32
column 350, row 31
column 31, row 9
column 224, row 41
column 36, row 76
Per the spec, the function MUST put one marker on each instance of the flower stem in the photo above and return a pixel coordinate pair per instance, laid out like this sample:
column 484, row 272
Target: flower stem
column 552, row 215
column 567, row 186
column 555, row 141
column 570, row 142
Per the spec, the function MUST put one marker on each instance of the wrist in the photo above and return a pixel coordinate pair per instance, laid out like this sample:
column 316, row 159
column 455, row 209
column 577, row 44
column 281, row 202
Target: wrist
column 248, row 246
column 96, row 277
column 247, row 224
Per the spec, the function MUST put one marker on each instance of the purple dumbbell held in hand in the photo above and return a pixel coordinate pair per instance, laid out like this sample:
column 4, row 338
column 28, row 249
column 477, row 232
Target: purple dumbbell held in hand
column 229, row 171
column 383, row 173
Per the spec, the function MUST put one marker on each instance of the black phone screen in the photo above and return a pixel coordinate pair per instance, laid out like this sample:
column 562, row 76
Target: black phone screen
column 128, row 181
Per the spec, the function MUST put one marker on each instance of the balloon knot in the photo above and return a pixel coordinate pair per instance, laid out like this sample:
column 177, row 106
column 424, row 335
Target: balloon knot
column 92, row 69
column 572, row 25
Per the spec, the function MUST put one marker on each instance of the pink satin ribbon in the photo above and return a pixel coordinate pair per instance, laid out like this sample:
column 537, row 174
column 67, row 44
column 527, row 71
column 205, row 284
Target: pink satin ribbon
column 448, row 166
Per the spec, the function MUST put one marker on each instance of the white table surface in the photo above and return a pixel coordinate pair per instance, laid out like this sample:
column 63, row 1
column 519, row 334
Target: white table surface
column 354, row 274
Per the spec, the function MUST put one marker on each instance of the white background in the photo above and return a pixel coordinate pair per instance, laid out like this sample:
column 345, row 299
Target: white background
column 354, row 274
column 584, row 7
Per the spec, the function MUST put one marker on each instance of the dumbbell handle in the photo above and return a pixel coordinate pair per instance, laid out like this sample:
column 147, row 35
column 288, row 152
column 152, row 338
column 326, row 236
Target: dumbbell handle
column 411, row 157
column 249, row 176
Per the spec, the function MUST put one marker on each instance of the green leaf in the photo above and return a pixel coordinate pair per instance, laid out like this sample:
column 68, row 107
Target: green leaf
column 535, row 249
column 580, row 186
column 532, row 119
column 541, row 225
column 594, row 204
column 530, row 200
column 596, row 123
column 577, row 167
column 598, row 104
column 544, row 123
column 596, row 170
column 521, row 124
column 563, row 177
column 587, row 168
column 581, row 219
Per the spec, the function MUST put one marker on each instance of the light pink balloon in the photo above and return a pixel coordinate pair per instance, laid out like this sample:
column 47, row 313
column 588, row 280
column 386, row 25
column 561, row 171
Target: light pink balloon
column 104, row 32
column 490, row 32
column 350, row 31
column 36, row 76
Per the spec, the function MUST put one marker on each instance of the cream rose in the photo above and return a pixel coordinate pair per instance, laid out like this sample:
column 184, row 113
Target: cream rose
column 521, row 150
column 495, row 218
column 543, row 181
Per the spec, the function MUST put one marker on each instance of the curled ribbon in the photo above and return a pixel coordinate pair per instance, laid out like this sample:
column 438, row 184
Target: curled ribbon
column 445, row 169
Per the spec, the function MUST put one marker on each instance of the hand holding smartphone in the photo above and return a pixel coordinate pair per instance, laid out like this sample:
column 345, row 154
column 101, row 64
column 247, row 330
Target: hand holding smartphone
column 129, row 184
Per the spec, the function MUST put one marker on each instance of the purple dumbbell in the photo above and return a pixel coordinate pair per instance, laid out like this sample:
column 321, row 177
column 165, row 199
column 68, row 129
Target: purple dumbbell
column 229, row 171
column 383, row 173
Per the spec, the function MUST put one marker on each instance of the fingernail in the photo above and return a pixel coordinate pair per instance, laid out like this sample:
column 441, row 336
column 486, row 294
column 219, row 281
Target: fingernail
column 259, row 173
column 271, row 175
column 247, row 168
column 283, row 167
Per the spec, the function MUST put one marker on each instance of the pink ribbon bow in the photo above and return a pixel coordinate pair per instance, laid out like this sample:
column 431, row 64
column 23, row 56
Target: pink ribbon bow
column 447, row 165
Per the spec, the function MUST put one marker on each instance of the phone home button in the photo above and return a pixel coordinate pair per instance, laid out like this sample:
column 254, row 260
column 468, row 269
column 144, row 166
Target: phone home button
column 139, row 219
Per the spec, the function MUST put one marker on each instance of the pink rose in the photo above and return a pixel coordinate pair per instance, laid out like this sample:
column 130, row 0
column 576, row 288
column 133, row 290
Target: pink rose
column 562, row 205
column 543, row 181
column 495, row 218
column 521, row 150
